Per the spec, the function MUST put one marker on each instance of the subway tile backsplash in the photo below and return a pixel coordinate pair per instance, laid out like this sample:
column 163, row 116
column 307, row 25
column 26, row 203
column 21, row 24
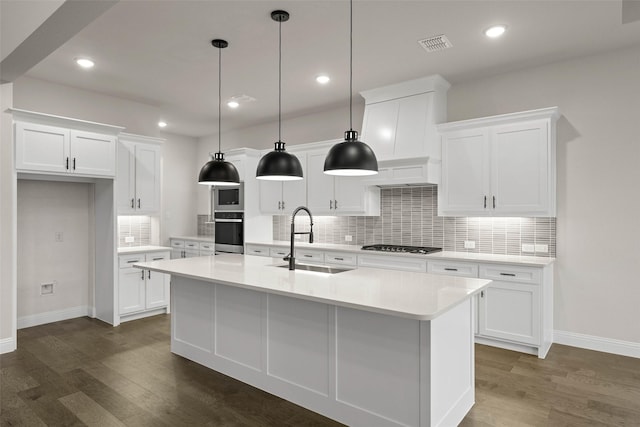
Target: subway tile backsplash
column 409, row 217
column 136, row 226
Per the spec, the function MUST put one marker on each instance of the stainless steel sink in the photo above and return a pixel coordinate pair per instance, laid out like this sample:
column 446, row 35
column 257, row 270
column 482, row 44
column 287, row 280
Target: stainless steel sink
column 317, row 268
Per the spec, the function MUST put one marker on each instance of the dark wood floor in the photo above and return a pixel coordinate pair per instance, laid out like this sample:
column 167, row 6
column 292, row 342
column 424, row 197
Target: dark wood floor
column 84, row 372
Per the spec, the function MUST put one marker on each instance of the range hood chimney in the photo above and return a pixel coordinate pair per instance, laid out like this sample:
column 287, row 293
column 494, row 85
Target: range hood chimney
column 400, row 126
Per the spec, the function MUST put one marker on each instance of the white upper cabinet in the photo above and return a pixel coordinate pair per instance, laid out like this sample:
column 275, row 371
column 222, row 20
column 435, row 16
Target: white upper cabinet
column 501, row 165
column 58, row 145
column 329, row 195
column 138, row 181
column 282, row 197
column 400, row 126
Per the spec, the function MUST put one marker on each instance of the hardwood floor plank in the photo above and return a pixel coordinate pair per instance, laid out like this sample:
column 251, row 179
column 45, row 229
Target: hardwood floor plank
column 88, row 411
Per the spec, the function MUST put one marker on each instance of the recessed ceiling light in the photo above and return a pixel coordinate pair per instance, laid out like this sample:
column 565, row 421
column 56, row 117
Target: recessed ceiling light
column 162, row 124
column 323, row 79
column 495, row 31
column 85, row 62
column 233, row 104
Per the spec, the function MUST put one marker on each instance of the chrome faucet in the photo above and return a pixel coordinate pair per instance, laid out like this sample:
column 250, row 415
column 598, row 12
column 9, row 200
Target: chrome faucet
column 291, row 258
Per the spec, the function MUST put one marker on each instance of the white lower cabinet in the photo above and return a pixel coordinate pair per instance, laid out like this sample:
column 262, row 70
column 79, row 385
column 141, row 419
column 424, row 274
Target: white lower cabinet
column 190, row 248
column 393, row 262
column 516, row 310
column 141, row 291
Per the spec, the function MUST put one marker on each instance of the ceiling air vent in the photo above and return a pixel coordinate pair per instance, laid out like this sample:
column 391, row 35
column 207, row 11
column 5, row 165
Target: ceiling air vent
column 435, row 43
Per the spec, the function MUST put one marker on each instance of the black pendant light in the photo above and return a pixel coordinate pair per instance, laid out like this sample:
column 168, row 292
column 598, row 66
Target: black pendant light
column 278, row 165
column 217, row 171
column 351, row 157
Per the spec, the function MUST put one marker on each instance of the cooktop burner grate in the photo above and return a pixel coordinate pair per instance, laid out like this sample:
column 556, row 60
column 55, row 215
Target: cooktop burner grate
column 401, row 249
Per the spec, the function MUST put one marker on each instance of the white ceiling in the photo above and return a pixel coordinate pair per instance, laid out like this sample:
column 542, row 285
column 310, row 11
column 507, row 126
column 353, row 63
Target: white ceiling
column 159, row 52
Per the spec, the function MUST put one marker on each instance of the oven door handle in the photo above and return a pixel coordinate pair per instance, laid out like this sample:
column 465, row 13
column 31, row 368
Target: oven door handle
column 228, row 220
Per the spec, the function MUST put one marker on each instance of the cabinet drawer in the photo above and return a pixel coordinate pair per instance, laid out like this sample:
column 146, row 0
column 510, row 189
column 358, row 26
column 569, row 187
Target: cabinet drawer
column 158, row 256
column 191, row 245
column 511, row 273
column 207, row 246
column 127, row 261
column 341, row 258
column 257, row 250
column 393, row 262
column 305, row 255
column 278, row 252
column 452, row 268
column 177, row 243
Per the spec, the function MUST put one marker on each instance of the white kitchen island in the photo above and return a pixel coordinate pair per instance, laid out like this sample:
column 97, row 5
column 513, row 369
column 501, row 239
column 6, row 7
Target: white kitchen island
column 366, row 347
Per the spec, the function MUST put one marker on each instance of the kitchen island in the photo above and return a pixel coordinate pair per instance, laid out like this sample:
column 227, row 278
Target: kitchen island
column 366, row 347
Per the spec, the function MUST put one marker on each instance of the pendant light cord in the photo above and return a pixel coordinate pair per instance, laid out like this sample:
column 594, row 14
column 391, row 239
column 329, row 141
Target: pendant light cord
column 280, row 81
column 219, row 98
column 351, row 64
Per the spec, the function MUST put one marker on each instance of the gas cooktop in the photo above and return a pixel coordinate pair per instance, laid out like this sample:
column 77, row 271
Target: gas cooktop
column 401, row 249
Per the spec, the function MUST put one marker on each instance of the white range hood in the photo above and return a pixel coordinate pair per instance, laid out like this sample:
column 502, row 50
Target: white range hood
column 400, row 126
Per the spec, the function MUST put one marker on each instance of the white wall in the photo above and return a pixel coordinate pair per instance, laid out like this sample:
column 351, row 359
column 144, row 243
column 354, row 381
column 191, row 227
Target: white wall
column 7, row 222
column 180, row 167
column 598, row 226
column 321, row 126
column 45, row 208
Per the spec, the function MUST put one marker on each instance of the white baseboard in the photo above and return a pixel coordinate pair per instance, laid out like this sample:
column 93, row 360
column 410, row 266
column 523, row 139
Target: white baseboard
column 54, row 316
column 591, row 342
column 7, row 345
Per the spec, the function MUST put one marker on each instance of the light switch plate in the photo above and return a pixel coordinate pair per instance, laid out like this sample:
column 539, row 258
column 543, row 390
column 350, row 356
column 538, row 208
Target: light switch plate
column 129, row 239
column 528, row 248
column 542, row 248
column 469, row 244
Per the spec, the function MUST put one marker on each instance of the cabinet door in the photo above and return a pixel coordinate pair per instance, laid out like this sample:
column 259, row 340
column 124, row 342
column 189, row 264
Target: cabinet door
column 93, row 153
column 520, row 168
column 465, row 173
column 176, row 253
column 379, row 128
column 349, row 194
column 157, row 288
column 125, row 184
column 320, row 190
column 147, row 180
column 131, row 290
column 294, row 193
column 510, row 311
column 413, row 112
column 41, row 148
column 271, row 197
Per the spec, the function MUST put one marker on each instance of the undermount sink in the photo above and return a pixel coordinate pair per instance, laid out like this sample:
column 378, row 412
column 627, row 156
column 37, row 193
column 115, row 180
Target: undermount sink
column 317, row 268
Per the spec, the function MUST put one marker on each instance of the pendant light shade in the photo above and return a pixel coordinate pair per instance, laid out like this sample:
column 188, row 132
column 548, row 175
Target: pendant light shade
column 351, row 157
column 217, row 171
column 278, row 165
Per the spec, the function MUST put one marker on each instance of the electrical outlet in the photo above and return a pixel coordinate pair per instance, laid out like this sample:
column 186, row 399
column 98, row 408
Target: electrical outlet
column 46, row 288
column 469, row 244
column 542, row 249
column 129, row 239
column 528, row 248
column 348, row 238
column 59, row 236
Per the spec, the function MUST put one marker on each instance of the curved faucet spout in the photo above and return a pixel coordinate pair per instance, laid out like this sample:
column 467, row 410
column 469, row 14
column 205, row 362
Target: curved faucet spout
column 291, row 257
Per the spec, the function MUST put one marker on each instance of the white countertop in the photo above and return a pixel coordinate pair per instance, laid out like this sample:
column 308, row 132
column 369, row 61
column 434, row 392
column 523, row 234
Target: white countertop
column 141, row 249
column 531, row 261
column 406, row 294
column 208, row 239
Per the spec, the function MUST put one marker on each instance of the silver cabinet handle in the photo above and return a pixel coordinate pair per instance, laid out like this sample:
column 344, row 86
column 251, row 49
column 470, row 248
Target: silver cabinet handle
column 149, row 274
column 335, row 204
column 508, row 274
column 257, row 251
column 450, row 269
column 132, row 261
column 142, row 274
column 308, row 256
column 67, row 164
column 158, row 259
column 339, row 259
column 74, row 163
column 330, row 204
column 485, row 202
column 133, row 203
column 279, row 205
column 138, row 203
column 494, row 202
column 283, row 205
column 481, row 294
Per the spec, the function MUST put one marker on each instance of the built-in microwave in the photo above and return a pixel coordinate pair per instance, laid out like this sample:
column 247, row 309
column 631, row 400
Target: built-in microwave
column 228, row 198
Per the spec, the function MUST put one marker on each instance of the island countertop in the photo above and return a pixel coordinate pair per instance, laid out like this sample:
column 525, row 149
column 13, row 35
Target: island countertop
column 418, row 296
